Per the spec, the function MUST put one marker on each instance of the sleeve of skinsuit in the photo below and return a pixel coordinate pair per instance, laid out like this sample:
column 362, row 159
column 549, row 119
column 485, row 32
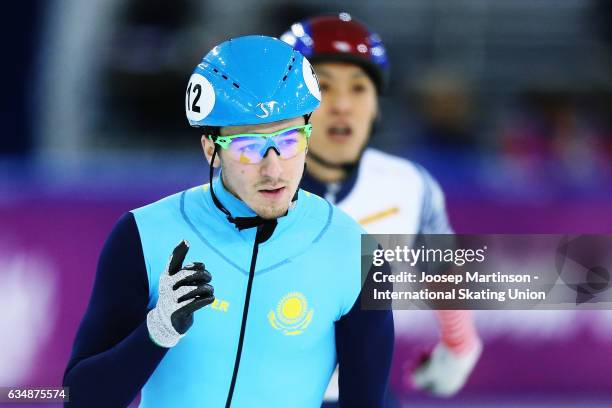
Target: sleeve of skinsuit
column 113, row 356
column 434, row 219
column 457, row 330
column 364, row 345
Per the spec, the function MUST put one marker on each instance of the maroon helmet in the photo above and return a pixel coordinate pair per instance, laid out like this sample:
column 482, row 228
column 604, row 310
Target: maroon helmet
column 338, row 37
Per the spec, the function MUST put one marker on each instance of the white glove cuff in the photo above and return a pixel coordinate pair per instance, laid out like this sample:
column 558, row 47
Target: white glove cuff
column 160, row 333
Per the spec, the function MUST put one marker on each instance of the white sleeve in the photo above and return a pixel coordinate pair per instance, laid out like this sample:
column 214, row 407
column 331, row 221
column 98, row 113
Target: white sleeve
column 434, row 219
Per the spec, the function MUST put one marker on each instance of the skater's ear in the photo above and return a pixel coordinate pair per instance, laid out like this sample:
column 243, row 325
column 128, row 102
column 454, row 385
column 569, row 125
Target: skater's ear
column 208, row 146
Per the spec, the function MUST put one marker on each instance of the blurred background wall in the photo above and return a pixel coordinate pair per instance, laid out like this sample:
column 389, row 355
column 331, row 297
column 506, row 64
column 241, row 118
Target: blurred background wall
column 507, row 102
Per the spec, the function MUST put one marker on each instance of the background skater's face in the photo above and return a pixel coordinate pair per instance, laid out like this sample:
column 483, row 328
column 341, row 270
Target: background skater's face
column 349, row 105
column 266, row 187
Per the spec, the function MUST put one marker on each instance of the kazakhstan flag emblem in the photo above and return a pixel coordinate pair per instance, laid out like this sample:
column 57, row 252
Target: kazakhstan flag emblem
column 292, row 315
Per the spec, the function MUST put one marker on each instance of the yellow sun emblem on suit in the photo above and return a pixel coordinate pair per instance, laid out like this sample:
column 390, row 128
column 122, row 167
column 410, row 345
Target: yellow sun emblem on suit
column 292, row 315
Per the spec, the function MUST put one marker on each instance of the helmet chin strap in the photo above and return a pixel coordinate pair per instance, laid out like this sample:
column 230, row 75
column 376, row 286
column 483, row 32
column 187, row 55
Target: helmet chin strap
column 240, row 222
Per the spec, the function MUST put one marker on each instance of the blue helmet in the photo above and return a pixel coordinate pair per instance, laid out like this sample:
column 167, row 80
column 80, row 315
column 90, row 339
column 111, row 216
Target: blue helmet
column 251, row 80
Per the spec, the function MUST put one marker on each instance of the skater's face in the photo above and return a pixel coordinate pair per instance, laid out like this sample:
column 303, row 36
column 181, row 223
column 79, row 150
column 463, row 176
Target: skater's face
column 267, row 186
column 341, row 125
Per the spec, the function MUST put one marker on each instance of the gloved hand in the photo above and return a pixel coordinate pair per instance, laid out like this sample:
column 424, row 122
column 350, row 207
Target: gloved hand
column 182, row 291
column 443, row 373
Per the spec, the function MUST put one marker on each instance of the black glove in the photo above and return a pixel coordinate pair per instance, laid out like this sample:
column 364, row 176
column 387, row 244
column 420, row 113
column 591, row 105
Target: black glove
column 182, row 291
